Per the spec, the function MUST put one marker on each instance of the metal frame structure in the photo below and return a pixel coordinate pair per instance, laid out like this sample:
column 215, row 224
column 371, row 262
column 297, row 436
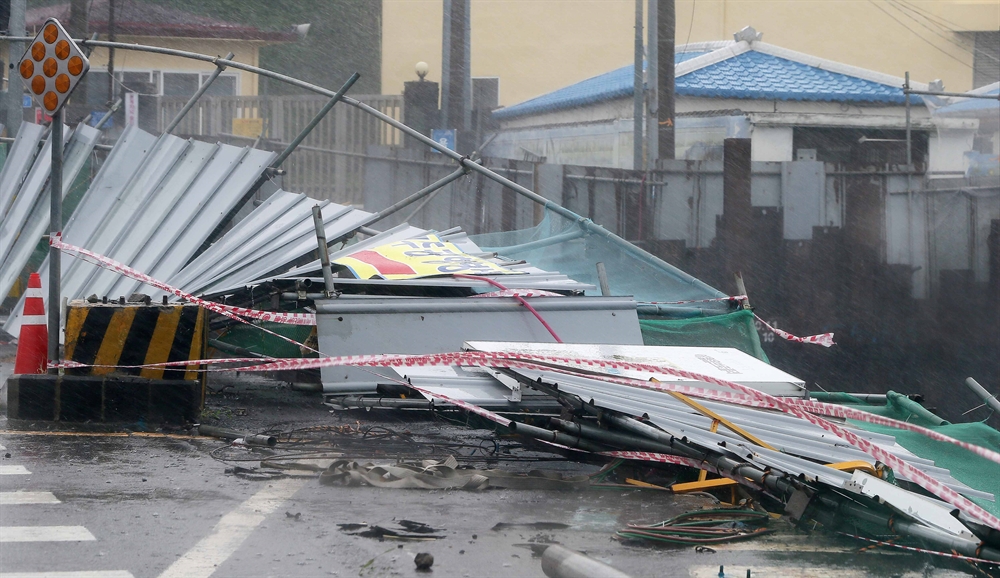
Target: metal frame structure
column 463, row 161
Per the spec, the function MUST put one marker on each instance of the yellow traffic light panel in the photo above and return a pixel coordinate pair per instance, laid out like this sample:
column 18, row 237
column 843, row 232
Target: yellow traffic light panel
column 52, row 66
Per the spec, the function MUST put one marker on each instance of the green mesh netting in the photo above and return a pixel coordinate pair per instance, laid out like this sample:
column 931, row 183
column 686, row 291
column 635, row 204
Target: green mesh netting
column 559, row 244
column 734, row 329
column 965, row 466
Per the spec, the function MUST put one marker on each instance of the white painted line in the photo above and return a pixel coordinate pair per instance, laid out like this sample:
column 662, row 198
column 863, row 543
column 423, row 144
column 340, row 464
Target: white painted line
column 2, row 448
column 227, row 536
column 84, row 574
column 22, row 497
column 13, row 470
column 45, row 534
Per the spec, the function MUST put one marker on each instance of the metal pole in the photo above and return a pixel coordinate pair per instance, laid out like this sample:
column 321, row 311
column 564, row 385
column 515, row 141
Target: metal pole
column 194, row 98
column 462, row 171
column 909, row 142
column 15, row 90
column 55, row 226
column 990, row 400
column 602, row 279
column 107, row 115
column 652, row 86
column 336, row 97
column 637, row 119
column 324, row 252
column 316, row 119
column 111, row 50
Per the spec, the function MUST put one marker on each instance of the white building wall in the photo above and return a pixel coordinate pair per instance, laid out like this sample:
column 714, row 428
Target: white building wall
column 771, row 144
column 946, row 149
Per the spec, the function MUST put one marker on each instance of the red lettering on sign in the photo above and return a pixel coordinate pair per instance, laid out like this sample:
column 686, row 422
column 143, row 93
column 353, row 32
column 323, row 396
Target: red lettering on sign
column 384, row 265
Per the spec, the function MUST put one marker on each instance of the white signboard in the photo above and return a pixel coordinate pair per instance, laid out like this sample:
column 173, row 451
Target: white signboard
column 131, row 108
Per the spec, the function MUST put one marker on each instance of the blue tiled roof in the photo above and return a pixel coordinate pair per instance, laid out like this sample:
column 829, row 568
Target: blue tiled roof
column 757, row 75
column 751, row 75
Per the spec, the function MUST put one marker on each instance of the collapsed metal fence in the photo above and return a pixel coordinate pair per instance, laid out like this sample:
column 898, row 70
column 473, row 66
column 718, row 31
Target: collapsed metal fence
column 329, row 162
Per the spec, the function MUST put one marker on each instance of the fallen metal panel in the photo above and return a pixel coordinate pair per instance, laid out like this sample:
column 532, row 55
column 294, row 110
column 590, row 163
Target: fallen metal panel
column 131, row 211
column 199, row 161
column 125, row 159
column 207, row 212
column 16, row 251
column 926, row 510
column 718, row 362
column 152, row 206
column 19, row 159
column 260, row 222
column 296, row 242
column 350, row 326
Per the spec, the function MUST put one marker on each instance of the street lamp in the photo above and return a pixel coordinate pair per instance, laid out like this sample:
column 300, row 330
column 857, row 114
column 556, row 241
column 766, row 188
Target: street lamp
column 422, row 69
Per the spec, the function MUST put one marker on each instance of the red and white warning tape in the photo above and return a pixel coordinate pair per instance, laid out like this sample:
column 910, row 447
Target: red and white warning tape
column 112, row 265
column 558, row 363
column 921, row 550
column 824, row 339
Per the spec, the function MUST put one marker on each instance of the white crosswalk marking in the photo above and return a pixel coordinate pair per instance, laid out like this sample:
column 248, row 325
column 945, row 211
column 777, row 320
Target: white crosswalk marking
column 45, row 534
column 13, row 470
column 23, row 497
column 87, row 574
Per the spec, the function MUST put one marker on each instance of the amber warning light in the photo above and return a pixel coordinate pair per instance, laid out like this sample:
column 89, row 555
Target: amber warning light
column 52, row 66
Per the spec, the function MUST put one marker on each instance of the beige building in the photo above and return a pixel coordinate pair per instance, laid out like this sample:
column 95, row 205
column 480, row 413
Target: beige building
column 166, row 27
column 538, row 46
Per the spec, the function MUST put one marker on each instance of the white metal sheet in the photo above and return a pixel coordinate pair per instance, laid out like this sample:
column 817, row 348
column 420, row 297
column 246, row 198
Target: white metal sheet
column 718, row 362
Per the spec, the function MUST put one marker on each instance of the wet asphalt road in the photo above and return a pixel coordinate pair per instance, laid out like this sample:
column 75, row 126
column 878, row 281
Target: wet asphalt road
column 163, row 506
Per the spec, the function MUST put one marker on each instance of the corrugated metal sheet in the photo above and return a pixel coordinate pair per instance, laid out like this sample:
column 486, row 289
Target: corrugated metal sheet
column 18, row 161
column 276, row 234
column 27, row 217
column 151, row 206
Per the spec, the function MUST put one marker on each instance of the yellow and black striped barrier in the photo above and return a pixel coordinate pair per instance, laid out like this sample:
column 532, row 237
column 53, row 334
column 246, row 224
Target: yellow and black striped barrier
column 122, row 334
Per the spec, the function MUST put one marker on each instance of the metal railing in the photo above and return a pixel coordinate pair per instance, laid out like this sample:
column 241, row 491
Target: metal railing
column 316, row 168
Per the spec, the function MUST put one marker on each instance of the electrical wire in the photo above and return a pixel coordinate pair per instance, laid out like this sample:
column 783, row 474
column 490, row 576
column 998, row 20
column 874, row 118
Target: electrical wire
column 936, row 47
column 947, row 26
column 895, row 4
column 691, row 23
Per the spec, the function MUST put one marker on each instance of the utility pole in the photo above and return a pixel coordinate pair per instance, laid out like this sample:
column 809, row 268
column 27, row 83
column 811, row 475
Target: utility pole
column 665, row 26
column 12, row 104
column 112, row 37
column 455, row 70
column 637, row 85
column 652, row 86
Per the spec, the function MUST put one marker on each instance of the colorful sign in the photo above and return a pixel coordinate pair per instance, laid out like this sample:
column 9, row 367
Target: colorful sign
column 425, row 256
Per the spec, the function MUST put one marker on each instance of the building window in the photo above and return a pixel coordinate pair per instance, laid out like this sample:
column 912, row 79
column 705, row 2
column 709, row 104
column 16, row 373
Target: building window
column 156, row 83
column 986, row 59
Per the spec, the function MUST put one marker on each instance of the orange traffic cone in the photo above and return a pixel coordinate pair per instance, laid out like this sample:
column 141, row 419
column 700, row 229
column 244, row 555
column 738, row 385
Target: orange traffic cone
column 33, row 342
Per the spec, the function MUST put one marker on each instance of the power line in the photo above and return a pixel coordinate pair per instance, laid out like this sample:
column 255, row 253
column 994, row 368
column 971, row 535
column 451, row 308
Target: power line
column 936, row 47
column 691, row 25
column 952, row 40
